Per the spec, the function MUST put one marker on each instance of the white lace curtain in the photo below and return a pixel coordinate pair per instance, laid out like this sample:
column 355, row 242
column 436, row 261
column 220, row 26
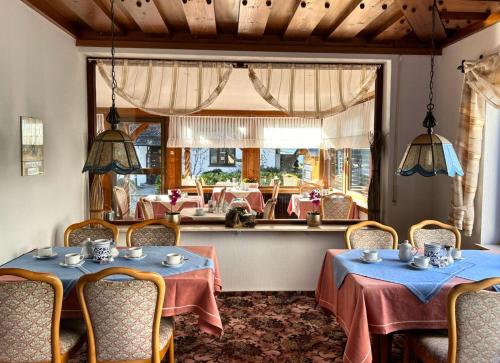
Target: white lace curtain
column 244, row 132
column 167, row 87
column 351, row 128
column 314, row 90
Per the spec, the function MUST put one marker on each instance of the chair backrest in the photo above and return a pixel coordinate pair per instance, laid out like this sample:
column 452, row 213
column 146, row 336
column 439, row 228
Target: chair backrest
column 445, row 234
column 371, row 234
column 121, row 201
column 474, row 322
column 276, row 190
column 222, row 197
column 336, row 206
column 308, row 187
column 199, row 189
column 153, row 232
column 269, row 209
column 146, row 208
column 94, row 229
column 122, row 315
column 30, row 311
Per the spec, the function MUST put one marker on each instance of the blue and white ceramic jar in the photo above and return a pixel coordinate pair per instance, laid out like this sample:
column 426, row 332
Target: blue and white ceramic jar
column 101, row 250
column 434, row 251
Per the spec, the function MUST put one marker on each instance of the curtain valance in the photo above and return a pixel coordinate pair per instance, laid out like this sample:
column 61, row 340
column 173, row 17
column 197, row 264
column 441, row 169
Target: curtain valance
column 167, row 87
column 351, row 128
column 244, row 132
column 315, row 90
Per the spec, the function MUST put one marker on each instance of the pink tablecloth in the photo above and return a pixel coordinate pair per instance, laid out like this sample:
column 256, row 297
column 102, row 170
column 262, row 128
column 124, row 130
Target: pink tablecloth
column 254, row 198
column 300, row 206
column 190, row 292
column 363, row 305
column 160, row 208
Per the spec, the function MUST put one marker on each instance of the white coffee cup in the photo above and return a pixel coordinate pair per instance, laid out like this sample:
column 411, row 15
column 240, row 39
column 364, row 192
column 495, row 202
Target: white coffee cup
column 370, row 255
column 134, row 252
column 421, row 261
column 44, row 252
column 457, row 253
column 174, row 258
column 199, row 211
column 72, row 258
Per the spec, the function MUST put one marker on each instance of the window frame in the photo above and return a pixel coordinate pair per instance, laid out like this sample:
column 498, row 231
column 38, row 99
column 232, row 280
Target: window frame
column 226, row 157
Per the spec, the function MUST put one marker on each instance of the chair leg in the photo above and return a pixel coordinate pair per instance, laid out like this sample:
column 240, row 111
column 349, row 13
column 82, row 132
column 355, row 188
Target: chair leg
column 406, row 349
column 171, row 358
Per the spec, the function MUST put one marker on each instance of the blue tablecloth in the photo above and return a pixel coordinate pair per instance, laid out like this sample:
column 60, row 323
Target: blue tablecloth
column 151, row 263
column 424, row 284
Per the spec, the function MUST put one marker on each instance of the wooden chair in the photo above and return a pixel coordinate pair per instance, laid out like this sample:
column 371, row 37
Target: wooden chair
column 222, row 198
column 146, row 208
column 276, row 190
column 30, row 310
column 269, row 209
column 473, row 328
column 77, row 233
column 308, row 187
column 153, row 232
column 371, row 234
column 199, row 192
column 123, row 316
column 444, row 234
column 121, row 201
column 336, row 206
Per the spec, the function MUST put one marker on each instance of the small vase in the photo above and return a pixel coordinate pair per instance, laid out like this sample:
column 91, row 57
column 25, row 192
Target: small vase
column 174, row 218
column 313, row 219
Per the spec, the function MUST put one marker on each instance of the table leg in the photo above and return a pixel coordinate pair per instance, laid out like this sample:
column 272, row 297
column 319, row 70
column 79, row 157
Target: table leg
column 382, row 348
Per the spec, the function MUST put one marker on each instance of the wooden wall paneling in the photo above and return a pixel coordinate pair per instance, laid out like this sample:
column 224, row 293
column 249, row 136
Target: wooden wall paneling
column 145, row 14
column 91, row 13
column 280, row 16
column 173, row 15
column 338, row 12
column 200, row 16
column 417, row 12
column 173, row 169
column 307, row 16
column 251, row 163
column 396, row 30
column 66, row 22
column 479, row 6
column 359, row 18
column 253, row 17
column 226, row 15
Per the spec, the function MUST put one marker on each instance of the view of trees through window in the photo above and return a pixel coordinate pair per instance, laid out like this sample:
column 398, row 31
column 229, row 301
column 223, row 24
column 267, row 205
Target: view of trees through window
column 210, row 165
column 353, row 176
column 290, row 166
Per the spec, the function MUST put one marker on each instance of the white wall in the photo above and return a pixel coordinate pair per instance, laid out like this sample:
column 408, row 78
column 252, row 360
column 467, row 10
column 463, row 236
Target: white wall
column 449, row 89
column 42, row 75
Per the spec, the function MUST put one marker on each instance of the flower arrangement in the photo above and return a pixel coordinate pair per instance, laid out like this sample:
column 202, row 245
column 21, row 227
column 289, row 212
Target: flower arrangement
column 174, row 195
column 315, row 197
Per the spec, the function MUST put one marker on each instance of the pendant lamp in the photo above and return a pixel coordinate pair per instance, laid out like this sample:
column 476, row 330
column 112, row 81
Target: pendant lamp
column 112, row 150
column 430, row 154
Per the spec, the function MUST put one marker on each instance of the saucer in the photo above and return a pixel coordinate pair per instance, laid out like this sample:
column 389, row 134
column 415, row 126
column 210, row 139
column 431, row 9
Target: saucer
column 459, row 258
column 63, row 264
column 166, row 264
column 45, row 257
column 135, row 258
column 416, row 267
column 370, row 261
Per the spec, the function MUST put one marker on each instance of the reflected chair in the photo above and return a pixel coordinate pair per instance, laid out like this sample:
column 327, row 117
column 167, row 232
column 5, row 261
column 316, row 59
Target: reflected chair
column 30, row 325
column 154, row 232
column 222, row 198
column 199, row 192
column 146, row 208
column 473, row 328
column 94, row 229
column 444, row 233
column 276, row 190
column 121, row 201
column 308, row 187
column 336, row 206
column 269, row 210
column 123, row 316
column 371, row 234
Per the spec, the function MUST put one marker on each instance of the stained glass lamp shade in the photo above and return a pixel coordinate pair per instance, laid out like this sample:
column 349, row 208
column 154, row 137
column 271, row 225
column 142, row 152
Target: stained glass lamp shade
column 428, row 155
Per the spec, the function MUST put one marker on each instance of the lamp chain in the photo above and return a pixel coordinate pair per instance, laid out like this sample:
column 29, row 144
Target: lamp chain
column 113, row 75
column 430, row 105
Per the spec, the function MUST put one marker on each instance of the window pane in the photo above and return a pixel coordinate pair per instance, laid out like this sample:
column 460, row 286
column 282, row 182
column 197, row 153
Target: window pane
column 211, row 165
column 139, row 185
column 360, row 171
column 289, row 165
column 147, row 140
column 337, row 169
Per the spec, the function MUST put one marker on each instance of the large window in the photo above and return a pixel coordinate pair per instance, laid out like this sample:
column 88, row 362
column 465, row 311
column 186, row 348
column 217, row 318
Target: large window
column 222, row 157
column 350, row 172
column 211, row 166
column 290, row 166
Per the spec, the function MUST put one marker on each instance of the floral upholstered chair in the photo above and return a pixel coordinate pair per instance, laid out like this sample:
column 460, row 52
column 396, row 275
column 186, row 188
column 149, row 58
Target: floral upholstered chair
column 445, row 234
column 123, row 316
column 371, row 234
column 336, row 206
column 92, row 228
column 30, row 311
column 154, row 232
column 473, row 328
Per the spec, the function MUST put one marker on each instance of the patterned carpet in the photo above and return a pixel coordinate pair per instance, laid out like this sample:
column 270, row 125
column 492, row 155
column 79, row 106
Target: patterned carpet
column 264, row 327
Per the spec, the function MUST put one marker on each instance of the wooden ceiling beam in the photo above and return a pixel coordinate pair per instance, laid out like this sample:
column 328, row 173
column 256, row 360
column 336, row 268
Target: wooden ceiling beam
column 91, row 13
column 306, row 17
column 280, row 16
column 418, row 14
column 145, row 14
column 200, row 16
column 123, row 19
column 397, row 30
column 447, row 15
column 253, row 17
column 473, row 6
column 44, row 8
column 471, row 29
column 383, row 21
column 359, row 18
column 337, row 12
column 173, row 15
column 226, row 15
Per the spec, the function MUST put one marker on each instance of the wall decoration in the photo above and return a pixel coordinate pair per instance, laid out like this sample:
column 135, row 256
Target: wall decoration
column 31, row 146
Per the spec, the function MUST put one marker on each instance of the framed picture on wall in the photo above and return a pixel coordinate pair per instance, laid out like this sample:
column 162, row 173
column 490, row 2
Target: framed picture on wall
column 31, row 146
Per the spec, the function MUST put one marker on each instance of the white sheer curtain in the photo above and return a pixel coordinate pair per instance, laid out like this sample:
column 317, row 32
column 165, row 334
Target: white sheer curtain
column 351, row 128
column 167, row 87
column 313, row 90
column 244, row 132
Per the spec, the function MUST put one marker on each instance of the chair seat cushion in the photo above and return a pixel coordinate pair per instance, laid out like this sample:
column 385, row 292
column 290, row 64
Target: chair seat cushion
column 430, row 347
column 70, row 334
column 166, row 330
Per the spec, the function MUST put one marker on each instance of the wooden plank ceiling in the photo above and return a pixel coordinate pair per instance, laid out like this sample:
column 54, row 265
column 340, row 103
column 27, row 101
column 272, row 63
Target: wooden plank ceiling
column 357, row 26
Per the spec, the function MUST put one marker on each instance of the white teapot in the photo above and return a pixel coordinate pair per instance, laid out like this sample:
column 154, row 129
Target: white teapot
column 406, row 251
